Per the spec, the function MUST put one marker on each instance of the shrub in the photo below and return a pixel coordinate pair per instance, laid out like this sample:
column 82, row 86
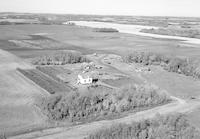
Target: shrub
column 177, row 64
column 83, row 106
column 174, row 126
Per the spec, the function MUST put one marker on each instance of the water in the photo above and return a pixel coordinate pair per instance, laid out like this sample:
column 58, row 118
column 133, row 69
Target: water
column 134, row 29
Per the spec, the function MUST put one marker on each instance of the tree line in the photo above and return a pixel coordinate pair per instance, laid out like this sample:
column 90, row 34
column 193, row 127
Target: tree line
column 174, row 126
column 60, row 58
column 91, row 105
column 186, row 66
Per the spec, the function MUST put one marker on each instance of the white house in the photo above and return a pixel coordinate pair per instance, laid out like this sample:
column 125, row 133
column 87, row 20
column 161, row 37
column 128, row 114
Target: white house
column 83, row 80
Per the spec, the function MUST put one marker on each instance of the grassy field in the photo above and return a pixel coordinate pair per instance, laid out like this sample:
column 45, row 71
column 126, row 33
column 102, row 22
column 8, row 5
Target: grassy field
column 18, row 97
column 177, row 84
column 120, row 82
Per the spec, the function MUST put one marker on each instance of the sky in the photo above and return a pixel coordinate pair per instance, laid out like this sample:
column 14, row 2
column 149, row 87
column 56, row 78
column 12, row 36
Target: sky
column 105, row 7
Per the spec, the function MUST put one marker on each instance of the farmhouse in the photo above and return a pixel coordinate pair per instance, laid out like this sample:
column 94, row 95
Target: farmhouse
column 83, row 80
column 88, row 77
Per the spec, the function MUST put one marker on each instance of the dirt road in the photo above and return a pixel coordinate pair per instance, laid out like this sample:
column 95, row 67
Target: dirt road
column 81, row 131
column 17, row 96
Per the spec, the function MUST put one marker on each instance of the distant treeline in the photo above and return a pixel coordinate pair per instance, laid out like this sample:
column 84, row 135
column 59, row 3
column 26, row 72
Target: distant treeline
column 5, row 23
column 191, row 33
column 174, row 126
column 108, row 30
column 186, row 66
column 76, row 107
column 60, row 58
column 15, row 23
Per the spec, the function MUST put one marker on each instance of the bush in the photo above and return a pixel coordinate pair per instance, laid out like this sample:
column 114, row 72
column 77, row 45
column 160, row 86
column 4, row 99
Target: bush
column 174, row 126
column 83, row 106
column 60, row 58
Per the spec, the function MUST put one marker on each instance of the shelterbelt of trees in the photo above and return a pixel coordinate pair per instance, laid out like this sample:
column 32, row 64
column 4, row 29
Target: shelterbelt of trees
column 174, row 126
column 186, row 66
column 60, row 58
column 92, row 105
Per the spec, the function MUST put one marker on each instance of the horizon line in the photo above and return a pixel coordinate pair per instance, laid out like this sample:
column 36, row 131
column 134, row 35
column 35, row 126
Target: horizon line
column 97, row 14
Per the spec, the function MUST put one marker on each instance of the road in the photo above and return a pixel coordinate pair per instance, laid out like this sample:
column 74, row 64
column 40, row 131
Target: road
column 81, row 131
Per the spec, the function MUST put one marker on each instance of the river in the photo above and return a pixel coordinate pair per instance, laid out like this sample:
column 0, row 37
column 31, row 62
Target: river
column 134, row 29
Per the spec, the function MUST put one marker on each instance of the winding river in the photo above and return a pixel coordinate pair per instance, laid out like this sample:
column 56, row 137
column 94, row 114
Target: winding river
column 134, row 29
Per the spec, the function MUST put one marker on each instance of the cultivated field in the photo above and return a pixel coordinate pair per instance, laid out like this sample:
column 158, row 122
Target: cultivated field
column 45, row 82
